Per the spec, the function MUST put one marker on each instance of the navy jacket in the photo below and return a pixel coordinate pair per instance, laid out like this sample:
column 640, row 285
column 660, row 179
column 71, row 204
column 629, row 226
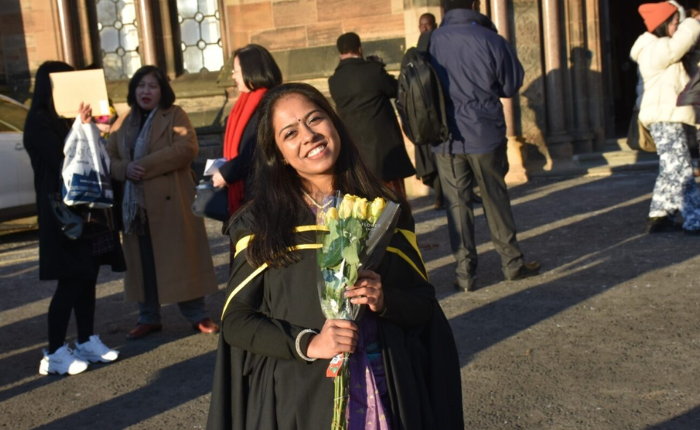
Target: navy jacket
column 476, row 67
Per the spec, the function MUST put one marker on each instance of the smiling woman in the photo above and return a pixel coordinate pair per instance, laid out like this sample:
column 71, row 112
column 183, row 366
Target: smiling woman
column 276, row 343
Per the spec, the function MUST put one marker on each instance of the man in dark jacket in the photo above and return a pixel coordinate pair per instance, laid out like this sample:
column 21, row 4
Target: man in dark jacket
column 362, row 91
column 476, row 67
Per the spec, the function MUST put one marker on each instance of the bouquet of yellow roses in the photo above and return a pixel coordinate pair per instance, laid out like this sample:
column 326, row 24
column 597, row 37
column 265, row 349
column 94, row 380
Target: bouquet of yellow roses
column 355, row 237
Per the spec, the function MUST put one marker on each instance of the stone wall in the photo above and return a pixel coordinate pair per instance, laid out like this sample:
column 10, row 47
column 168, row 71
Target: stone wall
column 29, row 37
column 294, row 24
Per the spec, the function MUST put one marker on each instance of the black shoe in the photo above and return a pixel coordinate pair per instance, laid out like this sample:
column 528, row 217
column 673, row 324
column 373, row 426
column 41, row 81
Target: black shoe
column 526, row 270
column 662, row 224
column 691, row 232
column 471, row 285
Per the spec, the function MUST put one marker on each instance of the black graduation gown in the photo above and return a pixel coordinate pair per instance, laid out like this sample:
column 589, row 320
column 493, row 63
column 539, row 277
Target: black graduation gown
column 261, row 383
column 59, row 257
column 362, row 92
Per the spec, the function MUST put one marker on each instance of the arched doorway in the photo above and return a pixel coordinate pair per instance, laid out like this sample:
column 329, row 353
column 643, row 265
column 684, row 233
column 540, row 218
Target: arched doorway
column 625, row 27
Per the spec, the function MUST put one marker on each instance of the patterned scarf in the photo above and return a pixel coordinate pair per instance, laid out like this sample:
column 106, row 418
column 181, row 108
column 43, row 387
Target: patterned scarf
column 134, row 204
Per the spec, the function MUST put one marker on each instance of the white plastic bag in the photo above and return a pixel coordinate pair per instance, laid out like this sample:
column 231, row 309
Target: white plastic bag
column 86, row 168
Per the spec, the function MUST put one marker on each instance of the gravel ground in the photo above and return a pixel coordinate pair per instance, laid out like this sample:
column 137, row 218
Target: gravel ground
column 607, row 337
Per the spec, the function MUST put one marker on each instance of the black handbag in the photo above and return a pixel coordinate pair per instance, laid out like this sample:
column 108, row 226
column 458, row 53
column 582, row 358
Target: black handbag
column 78, row 221
column 211, row 202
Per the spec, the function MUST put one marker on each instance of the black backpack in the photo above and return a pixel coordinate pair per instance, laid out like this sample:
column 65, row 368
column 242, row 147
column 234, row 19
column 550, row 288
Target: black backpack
column 420, row 100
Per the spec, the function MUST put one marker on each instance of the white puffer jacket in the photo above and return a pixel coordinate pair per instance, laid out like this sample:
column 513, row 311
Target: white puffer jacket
column 659, row 61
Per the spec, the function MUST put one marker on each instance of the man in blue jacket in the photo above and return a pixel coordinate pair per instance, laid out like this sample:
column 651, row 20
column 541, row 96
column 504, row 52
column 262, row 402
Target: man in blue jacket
column 476, row 67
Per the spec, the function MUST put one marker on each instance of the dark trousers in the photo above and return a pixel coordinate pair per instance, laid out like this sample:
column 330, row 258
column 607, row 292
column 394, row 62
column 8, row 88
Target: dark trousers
column 433, row 181
column 457, row 175
column 73, row 295
column 149, row 309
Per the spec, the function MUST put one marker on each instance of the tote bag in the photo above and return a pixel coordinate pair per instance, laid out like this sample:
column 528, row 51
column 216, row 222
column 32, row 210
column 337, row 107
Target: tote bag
column 86, row 168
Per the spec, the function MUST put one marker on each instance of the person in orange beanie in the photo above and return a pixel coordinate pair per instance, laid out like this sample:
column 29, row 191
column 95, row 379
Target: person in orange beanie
column 658, row 53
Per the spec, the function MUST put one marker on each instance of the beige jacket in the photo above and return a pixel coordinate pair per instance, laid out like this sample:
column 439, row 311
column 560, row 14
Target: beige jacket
column 184, row 267
column 661, row 68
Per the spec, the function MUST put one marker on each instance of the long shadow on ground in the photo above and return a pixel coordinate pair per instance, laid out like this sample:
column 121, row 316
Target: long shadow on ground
column 174, row 386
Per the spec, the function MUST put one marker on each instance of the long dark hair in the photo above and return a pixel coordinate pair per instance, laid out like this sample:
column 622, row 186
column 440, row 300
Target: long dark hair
column 662, row 29
column 258, row 67
column 278, row 188
column 167, row 95
column 43, row 94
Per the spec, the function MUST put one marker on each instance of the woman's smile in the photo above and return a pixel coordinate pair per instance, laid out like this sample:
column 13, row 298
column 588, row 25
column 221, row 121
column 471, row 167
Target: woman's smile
column 316, row 152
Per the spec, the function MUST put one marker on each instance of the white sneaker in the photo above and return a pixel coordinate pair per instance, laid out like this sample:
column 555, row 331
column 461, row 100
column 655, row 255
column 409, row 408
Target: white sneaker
column 62, row 361
column 94, row 350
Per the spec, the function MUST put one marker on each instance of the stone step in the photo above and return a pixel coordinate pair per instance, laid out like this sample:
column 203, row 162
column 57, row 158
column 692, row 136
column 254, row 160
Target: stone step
column 589, row 170
column 618, row 144
column 615, row 157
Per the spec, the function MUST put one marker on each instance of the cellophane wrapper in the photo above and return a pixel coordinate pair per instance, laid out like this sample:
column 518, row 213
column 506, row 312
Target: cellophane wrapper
column 355, row 236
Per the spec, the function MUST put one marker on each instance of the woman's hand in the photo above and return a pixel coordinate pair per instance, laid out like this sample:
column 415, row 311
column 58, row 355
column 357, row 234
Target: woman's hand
column 104, row 128
column 367, row 291
column 336, row 336
column 218, row 181
column 85, row 112
column 135, row 172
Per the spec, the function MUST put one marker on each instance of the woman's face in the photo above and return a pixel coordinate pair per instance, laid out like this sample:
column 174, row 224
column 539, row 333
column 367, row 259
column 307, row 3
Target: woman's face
column 673, row 25
column 238, row 76
column 306, row 136
column 148, row 92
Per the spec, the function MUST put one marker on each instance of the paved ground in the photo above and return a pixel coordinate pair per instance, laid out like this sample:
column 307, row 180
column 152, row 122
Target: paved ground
column 608, row 337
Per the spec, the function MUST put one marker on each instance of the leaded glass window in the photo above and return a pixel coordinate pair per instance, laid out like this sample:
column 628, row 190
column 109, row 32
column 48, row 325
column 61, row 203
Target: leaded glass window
column 119, row 38
column 200, row 35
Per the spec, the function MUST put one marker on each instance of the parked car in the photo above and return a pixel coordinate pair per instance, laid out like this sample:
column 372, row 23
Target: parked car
column 17, row 198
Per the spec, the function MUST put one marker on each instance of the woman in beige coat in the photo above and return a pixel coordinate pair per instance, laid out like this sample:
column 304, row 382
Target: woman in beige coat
column 165, row 245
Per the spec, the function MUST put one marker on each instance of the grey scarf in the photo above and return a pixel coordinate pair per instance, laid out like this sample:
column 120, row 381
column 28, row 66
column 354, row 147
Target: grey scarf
column 134, row 204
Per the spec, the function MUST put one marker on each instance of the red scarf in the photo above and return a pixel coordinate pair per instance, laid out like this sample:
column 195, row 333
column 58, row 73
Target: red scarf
column 242, row 110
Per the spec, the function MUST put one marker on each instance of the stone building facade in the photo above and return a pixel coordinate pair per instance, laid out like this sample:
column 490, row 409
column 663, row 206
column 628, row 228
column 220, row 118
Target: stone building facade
column 576, row 92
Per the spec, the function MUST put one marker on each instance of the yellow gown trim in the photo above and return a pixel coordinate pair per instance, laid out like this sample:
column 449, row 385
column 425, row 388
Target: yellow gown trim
column 242, row 244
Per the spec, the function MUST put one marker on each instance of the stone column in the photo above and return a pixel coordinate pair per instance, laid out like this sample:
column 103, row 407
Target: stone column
column 68, row 45
column 225, row 33
column 85, row 33
column 579, row 55
column 606, row 62
column 595, row 74
column 166, row 35
column 516, row 174
column 558, row 141
column 147, row 47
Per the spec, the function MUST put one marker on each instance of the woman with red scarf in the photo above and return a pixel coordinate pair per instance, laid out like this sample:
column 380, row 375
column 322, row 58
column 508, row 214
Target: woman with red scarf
column 255, row 72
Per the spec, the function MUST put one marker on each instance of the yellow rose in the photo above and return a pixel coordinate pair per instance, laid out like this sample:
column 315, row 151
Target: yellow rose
column 360, row 211
column 345, row 210
column 331, row 214
column 376, row 209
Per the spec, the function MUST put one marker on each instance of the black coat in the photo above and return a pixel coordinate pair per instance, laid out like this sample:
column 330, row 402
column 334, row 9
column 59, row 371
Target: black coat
column 238, row 169
column 261, row 383
column 362, row 92
column 59, row 257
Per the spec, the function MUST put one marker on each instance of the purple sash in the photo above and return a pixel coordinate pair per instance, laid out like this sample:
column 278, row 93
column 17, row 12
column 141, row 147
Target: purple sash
column 368, row 392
